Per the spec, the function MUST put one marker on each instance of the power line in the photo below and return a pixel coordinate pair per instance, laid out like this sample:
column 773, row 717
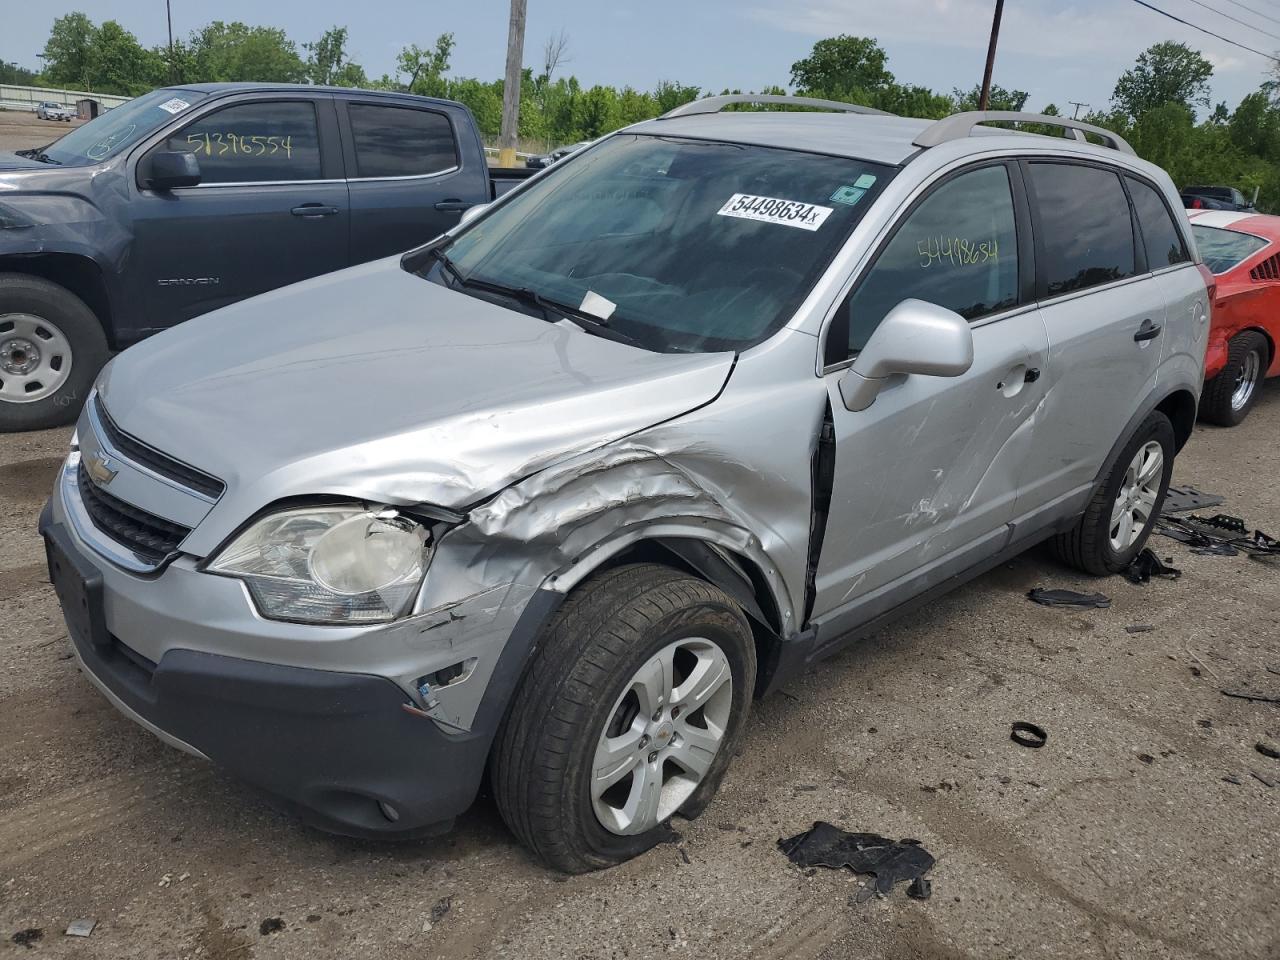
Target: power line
column 1256, row 13
column 1216, row 36
column 1242, row 23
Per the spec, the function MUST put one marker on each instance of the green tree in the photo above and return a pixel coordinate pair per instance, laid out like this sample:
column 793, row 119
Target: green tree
column 1166, row 72
column 1000, row 98
column 66, row 52
column 119, row 64
column 843, row 65
column 425, row 67
column 236, row 51
column 327, row 62
column 669, row 94
column 12, row 73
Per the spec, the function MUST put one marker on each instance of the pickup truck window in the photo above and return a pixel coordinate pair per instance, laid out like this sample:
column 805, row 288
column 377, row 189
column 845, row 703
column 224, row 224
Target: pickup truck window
column 400, row 141
column 109, row 133
column 684, row 245
column 255, row 142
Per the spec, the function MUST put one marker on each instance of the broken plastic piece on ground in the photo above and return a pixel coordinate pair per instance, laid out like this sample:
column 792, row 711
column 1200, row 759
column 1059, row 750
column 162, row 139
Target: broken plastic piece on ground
column 1186, row 499
column 81, row 928
column 1264, row 780
column 889, row 861
column 1246, row 695
column 1232, row 779
column 1196, row 532
column 1068, row 598
column 1139, row 628
column 1267, row 750
column 921, row 889
column 27, row 938
column 1147, row 565
column 1026, row 734
column 270, row 925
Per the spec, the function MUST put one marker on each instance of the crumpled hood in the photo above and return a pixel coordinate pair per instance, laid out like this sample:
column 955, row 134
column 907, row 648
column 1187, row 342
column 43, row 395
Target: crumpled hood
column 375, row 383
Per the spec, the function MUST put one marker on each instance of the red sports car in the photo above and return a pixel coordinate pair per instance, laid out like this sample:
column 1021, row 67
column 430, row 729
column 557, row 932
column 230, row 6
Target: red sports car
column 1243, row 251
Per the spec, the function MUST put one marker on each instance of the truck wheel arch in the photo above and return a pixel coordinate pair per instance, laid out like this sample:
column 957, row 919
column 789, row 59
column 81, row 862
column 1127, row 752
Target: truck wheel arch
column 73, row 272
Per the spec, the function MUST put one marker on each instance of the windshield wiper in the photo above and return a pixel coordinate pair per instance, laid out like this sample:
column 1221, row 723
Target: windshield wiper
column 37, row 153
column 447, row 265
column 580, row 318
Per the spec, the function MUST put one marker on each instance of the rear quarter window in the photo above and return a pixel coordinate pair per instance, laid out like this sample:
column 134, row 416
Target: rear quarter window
column 1163, row 240
column 1084, row 234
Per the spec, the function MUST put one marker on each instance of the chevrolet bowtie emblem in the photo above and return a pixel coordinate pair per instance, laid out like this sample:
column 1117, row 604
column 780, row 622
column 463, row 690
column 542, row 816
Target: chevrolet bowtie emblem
column 100, row 469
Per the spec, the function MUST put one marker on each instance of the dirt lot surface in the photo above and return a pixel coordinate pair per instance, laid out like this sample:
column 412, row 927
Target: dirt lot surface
column 21, row 130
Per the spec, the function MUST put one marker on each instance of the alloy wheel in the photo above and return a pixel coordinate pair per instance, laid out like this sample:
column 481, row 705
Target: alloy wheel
column 1247, row 381
column 1136, row 499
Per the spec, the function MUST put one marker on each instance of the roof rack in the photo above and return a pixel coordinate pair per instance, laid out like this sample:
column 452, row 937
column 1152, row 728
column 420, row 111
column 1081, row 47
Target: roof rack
column 716, row 104
column 961, row 125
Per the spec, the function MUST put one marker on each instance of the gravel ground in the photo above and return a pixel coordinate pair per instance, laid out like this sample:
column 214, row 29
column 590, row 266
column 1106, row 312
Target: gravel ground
column 1119, row 839
column 19, row 130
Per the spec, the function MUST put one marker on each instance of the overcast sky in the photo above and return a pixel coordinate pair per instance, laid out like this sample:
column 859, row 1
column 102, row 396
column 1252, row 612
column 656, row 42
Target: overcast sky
column 1057, row 51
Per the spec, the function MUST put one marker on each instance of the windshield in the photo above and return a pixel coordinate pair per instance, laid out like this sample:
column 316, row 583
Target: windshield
column 1223, row 249
column 116, row 129
column 678, row 245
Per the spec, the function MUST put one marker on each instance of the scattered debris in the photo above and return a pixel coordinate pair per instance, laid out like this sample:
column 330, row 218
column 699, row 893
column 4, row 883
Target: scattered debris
column 1186, row 499
column 1265, row 781
column 165, row 880
column 270, row 925
column 889, row 861
column 684, row 855
column 1267, row 750
column 442, row 907
column 1068, row 598
column 27, row 938
column 1146, row 758
column 921, row 889
column 1197, row 533
column 1147, row 565
column 313, row 918
column 1028, row 735
column 1245, row 695
column 1204, row 723
column 81, row 928
column 1139, row 628
column 1232, row 779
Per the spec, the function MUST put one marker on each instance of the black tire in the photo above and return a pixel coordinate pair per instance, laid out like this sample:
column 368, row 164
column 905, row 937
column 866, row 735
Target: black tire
column 1087, row 545
column 1246, row 351
column 37, row 297
column 604, row 633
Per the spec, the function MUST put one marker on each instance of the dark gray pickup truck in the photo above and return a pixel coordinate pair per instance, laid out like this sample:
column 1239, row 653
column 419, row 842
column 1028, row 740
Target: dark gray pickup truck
column 190, row 198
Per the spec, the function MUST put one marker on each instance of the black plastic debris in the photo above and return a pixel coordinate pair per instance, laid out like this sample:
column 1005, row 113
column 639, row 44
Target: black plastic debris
column 1267, row 750
column 28, row 938
column 921, row 889
column 1221, row 535
column 270, row 925
column 1246, row 695
column 1068, row 598
column 1026, row 734
column 1139, row 628
column 1264, row 780
column 889, row 861
column 1187, row 499
column 1232, row 779
column 1147, row 565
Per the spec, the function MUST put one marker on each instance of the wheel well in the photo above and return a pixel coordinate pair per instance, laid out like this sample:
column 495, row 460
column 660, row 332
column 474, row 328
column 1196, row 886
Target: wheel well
column 1271, row 344
column 1180, row 408
column 78, row 274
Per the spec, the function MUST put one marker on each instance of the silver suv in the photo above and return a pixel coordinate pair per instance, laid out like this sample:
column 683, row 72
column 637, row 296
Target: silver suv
column 558, row 494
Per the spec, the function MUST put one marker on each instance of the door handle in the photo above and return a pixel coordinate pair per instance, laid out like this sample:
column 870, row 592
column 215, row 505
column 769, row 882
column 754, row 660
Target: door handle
column 1148, row 331
column 453, row 206
column 313, row 211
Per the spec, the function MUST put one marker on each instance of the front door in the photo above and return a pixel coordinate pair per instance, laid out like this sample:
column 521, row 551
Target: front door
column 927, row 476
column 271, row 209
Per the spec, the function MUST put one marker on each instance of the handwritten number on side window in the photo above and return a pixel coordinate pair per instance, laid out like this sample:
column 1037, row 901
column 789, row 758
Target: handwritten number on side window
column 226, row 143
column 957, row 251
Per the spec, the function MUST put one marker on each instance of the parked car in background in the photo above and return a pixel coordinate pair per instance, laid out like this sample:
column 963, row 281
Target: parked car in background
column 1193, row 202
column 55, row 111
column 1230, row 197
column 557, row 495
column 546, row 160
column 1243, row 251
column 191, row 198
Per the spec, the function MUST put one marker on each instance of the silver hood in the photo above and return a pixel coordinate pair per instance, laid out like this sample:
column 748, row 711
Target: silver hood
column 372, row 382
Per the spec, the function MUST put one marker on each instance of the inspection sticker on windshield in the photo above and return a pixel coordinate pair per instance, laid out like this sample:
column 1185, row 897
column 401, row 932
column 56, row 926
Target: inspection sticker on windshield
column 789, row 213
column 174, row 106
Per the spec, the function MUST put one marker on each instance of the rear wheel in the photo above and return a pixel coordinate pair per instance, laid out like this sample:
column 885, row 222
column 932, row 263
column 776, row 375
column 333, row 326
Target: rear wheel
column 1229, row 396
column 1124, row 508
column 51, row 348
column 629, row 714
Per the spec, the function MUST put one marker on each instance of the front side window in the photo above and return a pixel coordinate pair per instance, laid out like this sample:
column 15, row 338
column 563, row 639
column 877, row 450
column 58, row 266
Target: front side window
column 1084, row 229
column 401, row 141
column 1223, row 249
column 254, row 142
column 681, row 245
column 958, row 249
column 1161, row 236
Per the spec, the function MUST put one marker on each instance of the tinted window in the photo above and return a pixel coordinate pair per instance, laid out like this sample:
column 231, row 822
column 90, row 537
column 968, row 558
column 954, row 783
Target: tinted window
column 1223, row 249
column 1160, row 235
column 400, row 142
column 254, row 142
column 1084, row 230
column 958, row 249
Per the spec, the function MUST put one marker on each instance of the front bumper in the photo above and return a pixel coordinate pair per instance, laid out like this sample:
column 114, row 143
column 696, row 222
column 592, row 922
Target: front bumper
column 338, row 747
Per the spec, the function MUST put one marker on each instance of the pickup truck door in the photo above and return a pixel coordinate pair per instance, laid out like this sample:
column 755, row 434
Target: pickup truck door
column 925, row 479
column 271, row 208
column 411, row 170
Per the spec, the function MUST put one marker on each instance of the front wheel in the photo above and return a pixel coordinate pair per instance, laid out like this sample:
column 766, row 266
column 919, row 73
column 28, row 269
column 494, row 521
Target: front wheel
column 630, row 713
column 1230, row 395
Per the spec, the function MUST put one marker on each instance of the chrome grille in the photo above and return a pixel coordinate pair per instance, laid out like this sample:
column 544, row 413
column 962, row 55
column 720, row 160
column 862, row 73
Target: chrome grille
column 150, row 537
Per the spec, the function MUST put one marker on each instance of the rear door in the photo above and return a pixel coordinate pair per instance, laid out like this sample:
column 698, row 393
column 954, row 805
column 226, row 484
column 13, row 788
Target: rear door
column 1105, row 317
column 270, row 209
column 408, row 179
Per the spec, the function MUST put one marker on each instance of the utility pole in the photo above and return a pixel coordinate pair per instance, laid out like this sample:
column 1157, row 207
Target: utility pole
column 1076, row 114
column 985, row 99
column 511, row 87
column 173, row 67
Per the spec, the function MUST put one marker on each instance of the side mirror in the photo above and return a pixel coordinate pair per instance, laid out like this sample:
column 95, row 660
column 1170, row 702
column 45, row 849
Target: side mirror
column 471, row 213
column 914, row 337
column 172, row 168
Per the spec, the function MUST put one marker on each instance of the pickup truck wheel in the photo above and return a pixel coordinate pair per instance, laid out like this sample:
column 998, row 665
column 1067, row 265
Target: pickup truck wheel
column 1229, row 396
column 630, row 712
column 51, row 348
column 1124, row 508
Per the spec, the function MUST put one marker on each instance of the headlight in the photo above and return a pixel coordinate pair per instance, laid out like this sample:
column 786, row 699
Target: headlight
column 330, row 564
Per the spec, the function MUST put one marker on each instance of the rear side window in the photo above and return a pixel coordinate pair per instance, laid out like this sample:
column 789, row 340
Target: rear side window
column 254, row 142
column 1223, row 249
column 958, row 249
column 1161, row 236
column 1084, row 235
column 401, row 141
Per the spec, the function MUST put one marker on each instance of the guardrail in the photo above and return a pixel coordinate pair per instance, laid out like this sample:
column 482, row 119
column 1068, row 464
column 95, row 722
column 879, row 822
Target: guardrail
column 13, row 97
